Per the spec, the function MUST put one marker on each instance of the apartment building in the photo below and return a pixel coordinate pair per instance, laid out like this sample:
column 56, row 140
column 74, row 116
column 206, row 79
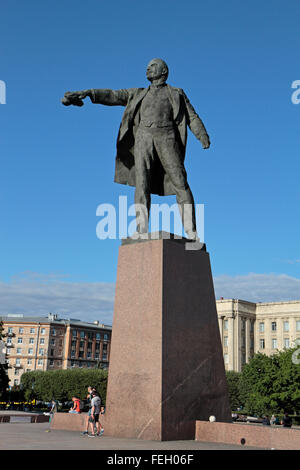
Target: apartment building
column 247, row 328
column 49, row 343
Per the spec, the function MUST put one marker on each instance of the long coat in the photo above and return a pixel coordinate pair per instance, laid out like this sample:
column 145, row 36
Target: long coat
column 183, row 113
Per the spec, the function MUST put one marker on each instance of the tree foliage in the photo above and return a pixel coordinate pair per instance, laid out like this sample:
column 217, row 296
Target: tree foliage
column 62, row 385
column 270, row 384
column 233, row 382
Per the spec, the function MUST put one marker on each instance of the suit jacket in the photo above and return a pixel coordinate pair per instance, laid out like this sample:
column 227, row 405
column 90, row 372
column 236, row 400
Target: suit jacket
column 184, row 115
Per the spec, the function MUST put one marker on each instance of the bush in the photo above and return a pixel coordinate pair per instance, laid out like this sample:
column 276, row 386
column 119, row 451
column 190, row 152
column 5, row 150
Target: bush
column 62, row 385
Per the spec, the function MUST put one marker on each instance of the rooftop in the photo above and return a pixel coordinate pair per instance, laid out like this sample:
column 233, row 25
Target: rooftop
column 53, row 319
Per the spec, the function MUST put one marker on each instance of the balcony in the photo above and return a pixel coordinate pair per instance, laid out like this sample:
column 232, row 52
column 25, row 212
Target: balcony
column 18, row 366
column 9, row 345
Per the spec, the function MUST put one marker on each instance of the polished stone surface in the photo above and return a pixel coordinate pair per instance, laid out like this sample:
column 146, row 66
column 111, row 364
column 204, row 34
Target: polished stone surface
column 166, row 363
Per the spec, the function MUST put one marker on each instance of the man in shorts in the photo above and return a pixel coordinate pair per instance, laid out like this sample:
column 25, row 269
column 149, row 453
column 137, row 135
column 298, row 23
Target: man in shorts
column 95, row 412
column 89, row 398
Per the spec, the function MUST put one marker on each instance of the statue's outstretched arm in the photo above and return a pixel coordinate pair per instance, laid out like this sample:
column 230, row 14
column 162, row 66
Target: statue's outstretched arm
column 101, row 96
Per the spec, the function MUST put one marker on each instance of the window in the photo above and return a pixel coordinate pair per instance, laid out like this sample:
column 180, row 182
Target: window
column 17, row 371
column 40, row 362
column 274, row 343
column 29, row 362
column 286, row 343
column 9, row 341
column 225, row 325
column 52, row 342
column 105, row 337
column 32, row 331
column 262, row 343
column 51, row 352
column 31, row 340
column 16, row 382
column 41, row 352
column 20, row 340
column 30, row 351
column 98, row 336
column 274, row 326
column 286, row 326
column 82, row 334
column 53, row 331
column 225, row 341
column 21, row 331
column 261, row 327
column 43, row 331
column 42, row 341
column 51, row 362
column 243, row 358
column 18, row 362
column 226, row 359
column 74, row 333
column 298, row 325
column 19, row 351
column 10, row 330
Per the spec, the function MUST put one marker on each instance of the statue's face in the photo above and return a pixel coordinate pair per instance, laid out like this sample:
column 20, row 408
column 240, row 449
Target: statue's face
column 156, row 69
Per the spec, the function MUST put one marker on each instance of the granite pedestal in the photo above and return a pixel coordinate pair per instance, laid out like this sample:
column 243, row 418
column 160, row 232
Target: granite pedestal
column 166, row 363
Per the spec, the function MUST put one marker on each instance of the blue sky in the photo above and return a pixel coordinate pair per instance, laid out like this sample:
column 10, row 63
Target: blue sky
column 236, row 62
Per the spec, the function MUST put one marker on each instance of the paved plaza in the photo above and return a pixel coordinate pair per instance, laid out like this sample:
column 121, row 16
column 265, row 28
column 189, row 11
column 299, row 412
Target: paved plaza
column 27, row 436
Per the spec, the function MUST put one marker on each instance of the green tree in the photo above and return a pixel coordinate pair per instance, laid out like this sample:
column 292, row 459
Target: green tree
column 233, row 382
column 63, row 384
column 270, row 384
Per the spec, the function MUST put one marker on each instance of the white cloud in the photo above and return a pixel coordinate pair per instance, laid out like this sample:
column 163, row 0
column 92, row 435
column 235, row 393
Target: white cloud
column 37, row 294
column 34, row 294
column 258, row 287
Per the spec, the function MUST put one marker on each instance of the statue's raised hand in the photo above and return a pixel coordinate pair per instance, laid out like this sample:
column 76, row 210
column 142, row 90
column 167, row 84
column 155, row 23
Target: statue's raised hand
column 74, row 97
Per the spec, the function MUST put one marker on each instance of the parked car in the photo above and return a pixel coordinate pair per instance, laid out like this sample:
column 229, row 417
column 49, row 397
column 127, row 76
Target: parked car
column 253, row 419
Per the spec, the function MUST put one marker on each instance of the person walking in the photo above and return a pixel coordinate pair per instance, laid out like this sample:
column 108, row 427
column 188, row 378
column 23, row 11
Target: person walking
column 95, row 412
column 87, row 420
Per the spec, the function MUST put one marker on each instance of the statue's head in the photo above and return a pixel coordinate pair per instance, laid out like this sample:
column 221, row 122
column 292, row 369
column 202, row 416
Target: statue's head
column 157, row 69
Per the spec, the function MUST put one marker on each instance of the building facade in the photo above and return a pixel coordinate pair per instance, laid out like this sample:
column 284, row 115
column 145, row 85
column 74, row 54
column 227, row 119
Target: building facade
column 49, row 343
column 247, row 328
